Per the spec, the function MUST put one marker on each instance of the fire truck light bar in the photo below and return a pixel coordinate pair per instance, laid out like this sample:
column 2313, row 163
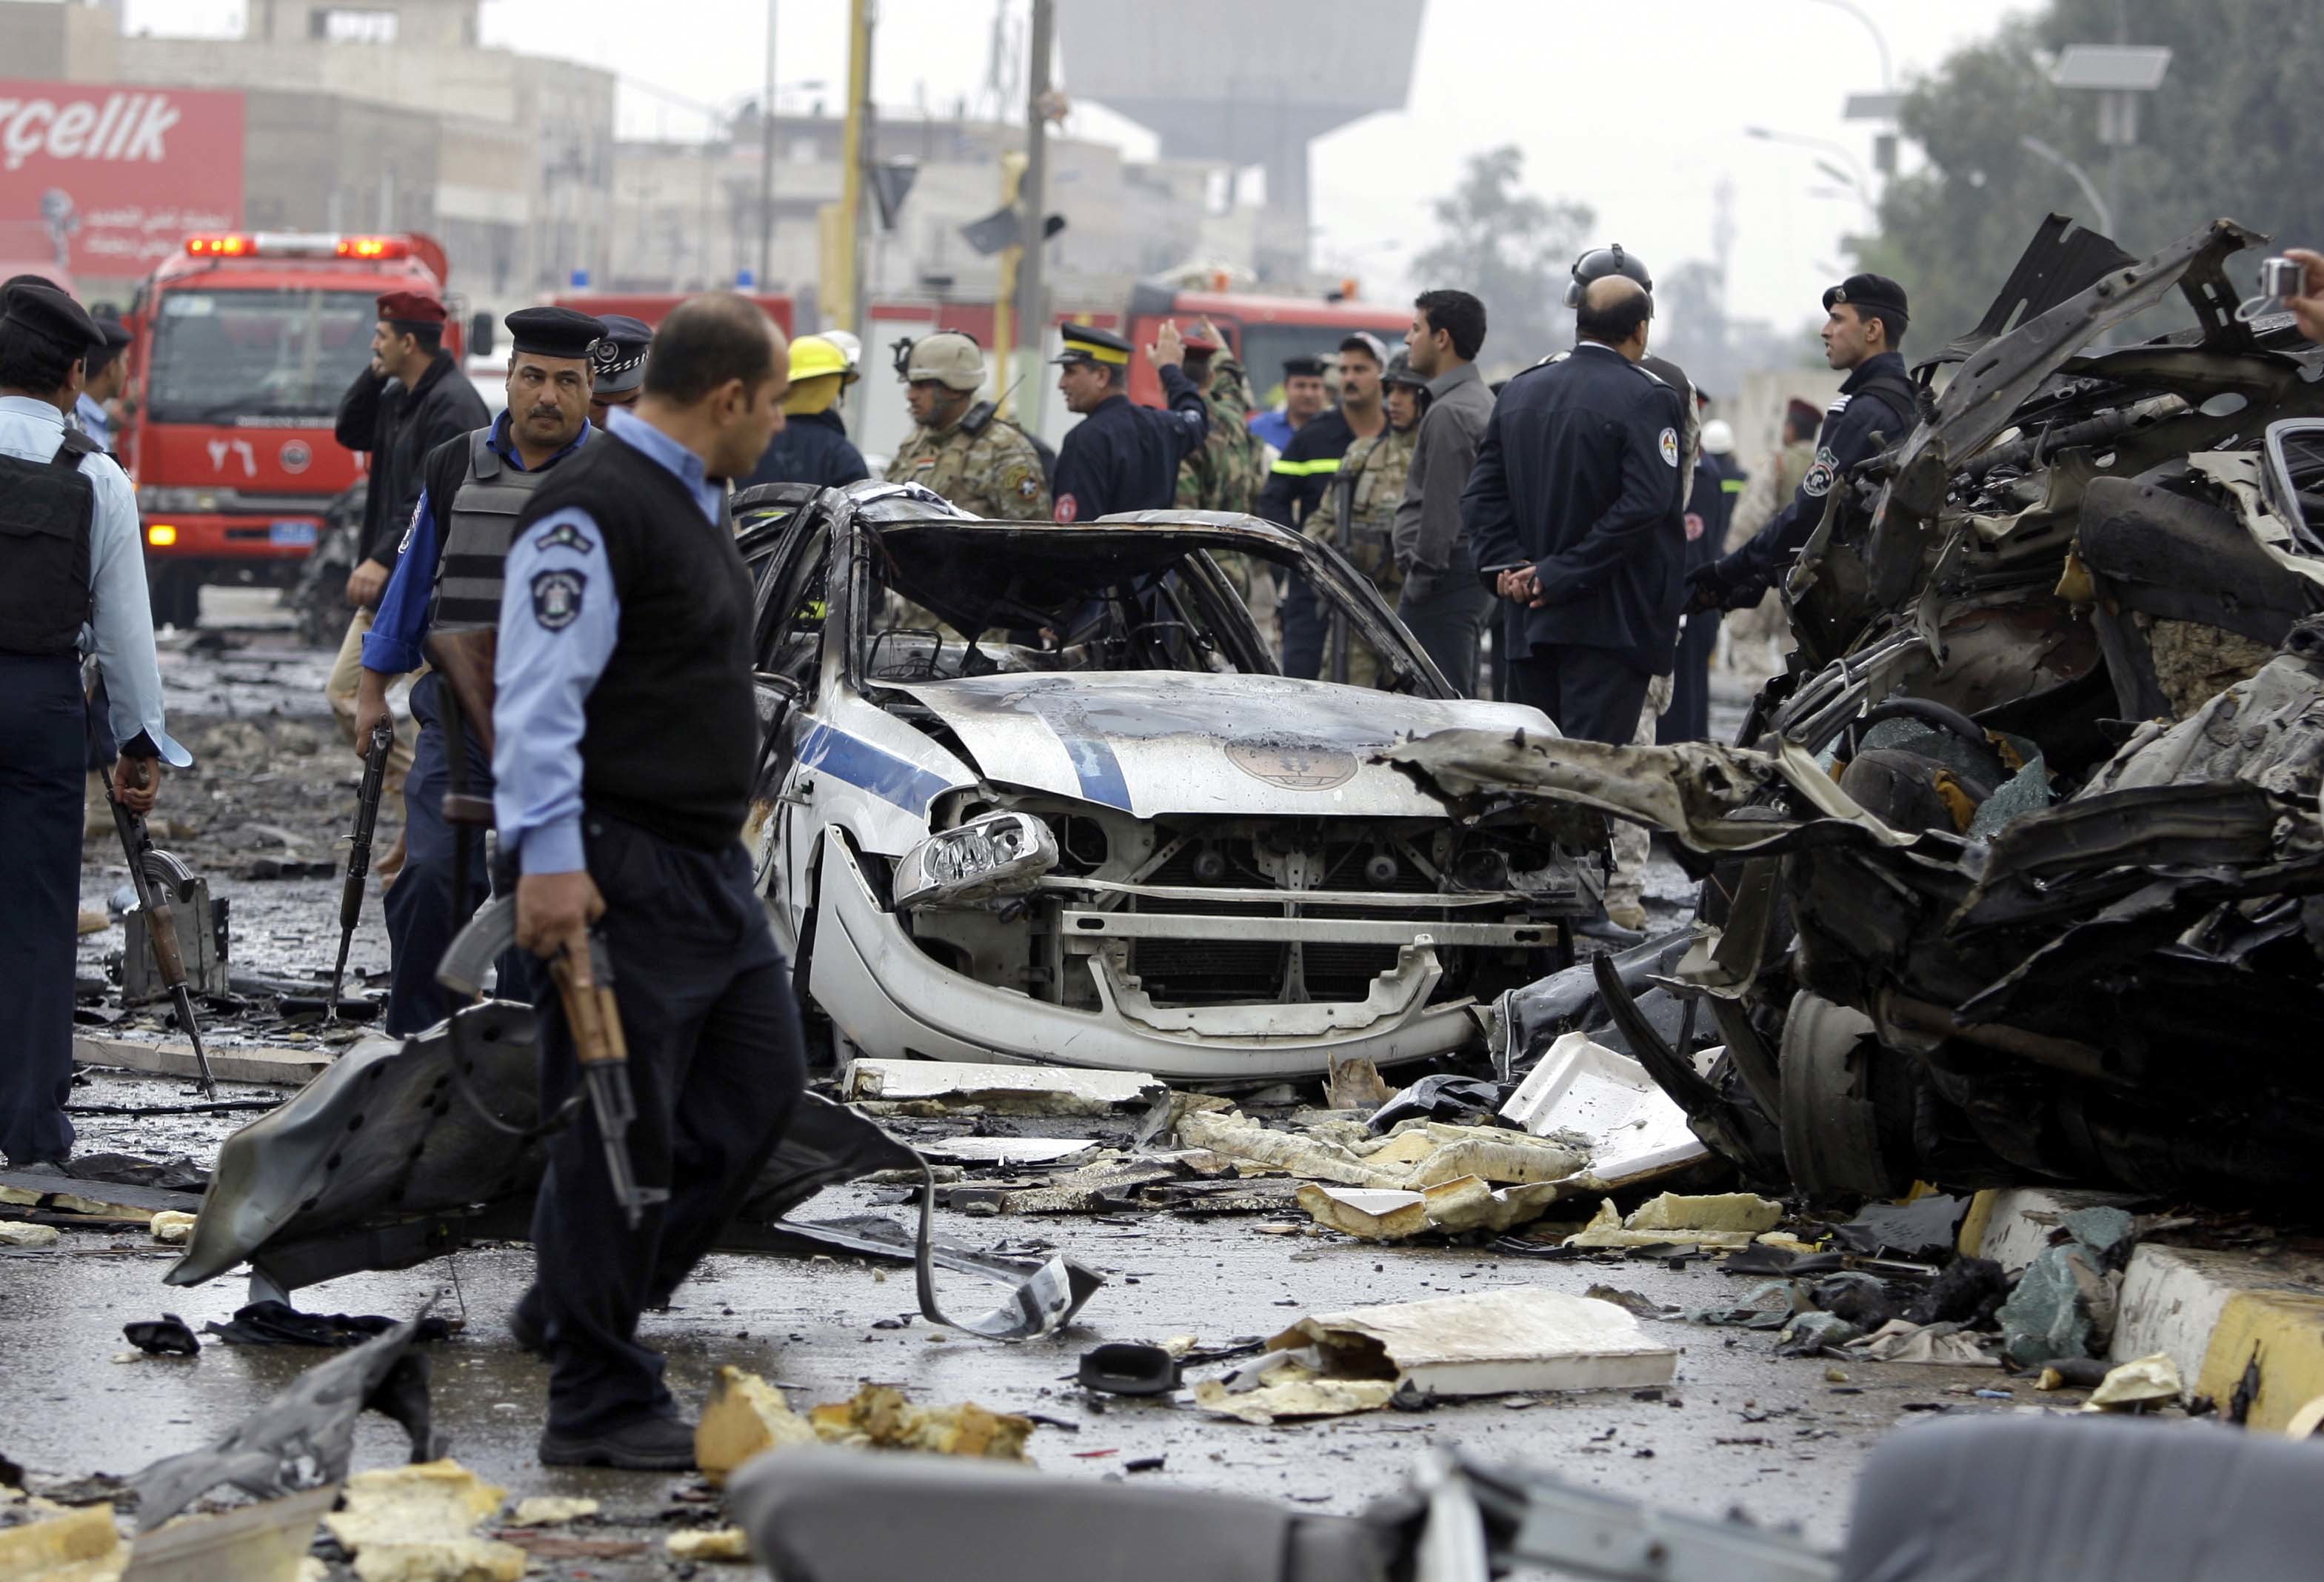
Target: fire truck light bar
column 297, row 245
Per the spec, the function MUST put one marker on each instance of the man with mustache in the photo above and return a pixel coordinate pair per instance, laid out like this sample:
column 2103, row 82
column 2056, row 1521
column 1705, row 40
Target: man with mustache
column 448, row 581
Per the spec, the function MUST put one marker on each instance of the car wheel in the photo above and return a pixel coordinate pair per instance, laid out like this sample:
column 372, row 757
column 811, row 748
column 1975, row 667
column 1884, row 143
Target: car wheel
column 1842, row 1091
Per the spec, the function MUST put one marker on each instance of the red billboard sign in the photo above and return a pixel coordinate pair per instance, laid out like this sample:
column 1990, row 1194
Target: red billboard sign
column 108, row 180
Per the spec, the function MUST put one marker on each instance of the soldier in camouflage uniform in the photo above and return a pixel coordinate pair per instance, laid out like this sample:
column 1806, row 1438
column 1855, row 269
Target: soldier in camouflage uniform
column 1230, row 468
column 981, row 462
column 1372, row 473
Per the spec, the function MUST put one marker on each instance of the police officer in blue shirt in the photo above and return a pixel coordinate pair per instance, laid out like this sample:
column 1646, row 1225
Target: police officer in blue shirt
column 1122, row 456
column 618, row 366
column 1865, row 322
column 627, row 736
column 447, row 582
column 72, row 582
column 108, row 371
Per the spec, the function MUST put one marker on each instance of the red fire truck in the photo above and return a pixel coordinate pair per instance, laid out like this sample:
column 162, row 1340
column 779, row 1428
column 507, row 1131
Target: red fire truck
column 1263, row 330
column 242, row 347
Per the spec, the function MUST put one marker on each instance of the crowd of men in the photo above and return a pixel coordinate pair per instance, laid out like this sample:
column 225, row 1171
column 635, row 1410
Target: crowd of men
column 565, row 580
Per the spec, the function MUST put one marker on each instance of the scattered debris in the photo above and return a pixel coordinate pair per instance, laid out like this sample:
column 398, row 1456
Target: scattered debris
column 275, row 1323
column 1633, row 1131
column 1510, row 1340
column 1004, row 1151
column 1902, row 1341
column 67, row 1546
column 1019, row 1091
column 18, row 1232
column 1124, row 1368
column 551, row 1510
column 416, row 1524
column 167, row 1336
column 1287, row 1386
column 2064, row 1303
column 2138, row 1386
column 1447, row 1207
column 1731, row 1219
column 171, row 1226
column 745, row 1415
column 1442, row 1096
column 709, row 1543
column 880, row 1415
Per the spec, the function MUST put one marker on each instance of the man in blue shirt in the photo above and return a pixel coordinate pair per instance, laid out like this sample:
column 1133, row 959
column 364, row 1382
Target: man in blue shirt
column 108, row 371
column 72, row 582
column 447, row 580
column 628, row 735
column 1305, row 395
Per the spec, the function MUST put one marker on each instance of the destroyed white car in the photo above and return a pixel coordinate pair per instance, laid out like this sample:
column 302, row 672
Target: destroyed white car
column 1038, row 793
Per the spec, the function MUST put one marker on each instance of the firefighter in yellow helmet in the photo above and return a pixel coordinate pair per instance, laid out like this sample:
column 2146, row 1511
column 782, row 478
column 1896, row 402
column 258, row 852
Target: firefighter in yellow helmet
column 813, row 446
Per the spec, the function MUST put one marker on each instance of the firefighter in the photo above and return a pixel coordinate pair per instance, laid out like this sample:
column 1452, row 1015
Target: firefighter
column 959, row 447
column 448, row 581
column 72, row 582
column 1864, row 323
column 813, row 446
column 1121, row 457
column 625, row 737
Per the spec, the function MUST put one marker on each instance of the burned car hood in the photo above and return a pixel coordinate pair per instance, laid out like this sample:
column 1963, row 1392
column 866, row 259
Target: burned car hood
column 1156, row 743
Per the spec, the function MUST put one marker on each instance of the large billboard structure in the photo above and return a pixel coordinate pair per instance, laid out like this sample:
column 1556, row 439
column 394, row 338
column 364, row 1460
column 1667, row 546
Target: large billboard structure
column 1249, row 85
column 107, row 180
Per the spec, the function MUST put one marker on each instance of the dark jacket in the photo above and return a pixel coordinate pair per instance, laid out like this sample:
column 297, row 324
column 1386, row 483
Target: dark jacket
column 813, row 448
column 398, row 428
column 1718, row 484
column 1301, row 479
column 1876, row 398
column 1578, row 476
column 1124, row 457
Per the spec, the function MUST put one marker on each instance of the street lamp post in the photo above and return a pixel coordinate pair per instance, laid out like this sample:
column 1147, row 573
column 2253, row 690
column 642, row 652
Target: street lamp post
column 2118, row 74
column 2099, row 205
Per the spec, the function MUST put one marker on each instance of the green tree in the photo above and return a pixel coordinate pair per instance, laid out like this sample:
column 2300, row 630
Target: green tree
column 2227, row 135
column 1511, row 249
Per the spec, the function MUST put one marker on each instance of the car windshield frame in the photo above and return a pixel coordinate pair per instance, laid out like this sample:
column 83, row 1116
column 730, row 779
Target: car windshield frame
column 280, row 367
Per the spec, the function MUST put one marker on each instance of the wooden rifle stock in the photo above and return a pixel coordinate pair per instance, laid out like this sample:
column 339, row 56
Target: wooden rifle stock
column 465, row 660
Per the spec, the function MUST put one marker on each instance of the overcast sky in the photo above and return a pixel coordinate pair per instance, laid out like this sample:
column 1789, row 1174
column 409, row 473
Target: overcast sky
column 1638, row 113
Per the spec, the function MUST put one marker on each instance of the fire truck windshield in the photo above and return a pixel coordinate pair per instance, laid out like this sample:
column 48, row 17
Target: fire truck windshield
column 221, row 355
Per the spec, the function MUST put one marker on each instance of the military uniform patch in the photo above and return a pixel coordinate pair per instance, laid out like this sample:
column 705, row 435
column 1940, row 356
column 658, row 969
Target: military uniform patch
column 1024, row 482
column 556, row 597
column 1820, row 479
column 1669, row 442
column 564, row 535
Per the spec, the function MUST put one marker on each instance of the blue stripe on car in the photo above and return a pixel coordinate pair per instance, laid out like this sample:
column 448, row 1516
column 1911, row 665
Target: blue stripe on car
column 882, row 774
column 1098, row 771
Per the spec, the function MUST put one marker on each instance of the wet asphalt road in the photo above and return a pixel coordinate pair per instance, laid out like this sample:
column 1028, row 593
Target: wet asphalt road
column 1741, row 1430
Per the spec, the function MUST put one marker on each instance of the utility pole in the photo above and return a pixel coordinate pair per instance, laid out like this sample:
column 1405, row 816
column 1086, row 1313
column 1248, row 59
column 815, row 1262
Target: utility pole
column 1008, row 322
column 1033, row 194
column 849, row 311
column 767, row 163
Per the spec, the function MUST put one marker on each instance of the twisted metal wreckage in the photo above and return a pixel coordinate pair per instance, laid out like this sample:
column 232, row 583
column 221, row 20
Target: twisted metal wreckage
column 2018, row 876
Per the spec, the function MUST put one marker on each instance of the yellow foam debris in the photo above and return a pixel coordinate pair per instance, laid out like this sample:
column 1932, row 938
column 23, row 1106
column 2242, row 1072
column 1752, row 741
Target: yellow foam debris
column 551, row 1510
column 73, row 1546
column 172, row 1226
column 882, row 1416
column 709, row 1543
column 412, row 1524
column 744, row 1416
column 19, row 1232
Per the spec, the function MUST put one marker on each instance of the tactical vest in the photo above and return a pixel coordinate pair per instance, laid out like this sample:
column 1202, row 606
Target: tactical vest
column 48, row 510
column 478, row 530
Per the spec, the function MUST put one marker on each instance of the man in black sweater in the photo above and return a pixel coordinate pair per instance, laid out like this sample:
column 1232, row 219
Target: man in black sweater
column 627, row 730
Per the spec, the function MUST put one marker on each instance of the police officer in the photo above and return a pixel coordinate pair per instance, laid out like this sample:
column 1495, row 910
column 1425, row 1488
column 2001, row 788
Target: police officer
column 1121, row 457
column 813, row 446
column 618, row 366
column 108, row 373
column 1371, row 477
column 1573, row 507
column 446, row 583
column 72, row 582
column 1299, row 481
column 959, row 445
column 1719, row 481
column 627, row 736
column 1305, row 395
column 1863, row 324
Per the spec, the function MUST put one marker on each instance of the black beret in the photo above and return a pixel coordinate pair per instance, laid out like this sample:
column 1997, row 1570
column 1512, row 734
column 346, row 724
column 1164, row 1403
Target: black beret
column 51, row 314
column 1303, row 368
column 1868, row 290
column 111, row 333
column 553, row 332
column 619, row 363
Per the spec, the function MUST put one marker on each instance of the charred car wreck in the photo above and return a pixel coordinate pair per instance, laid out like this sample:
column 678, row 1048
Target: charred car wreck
column 1038, row 793
column 2016, row 877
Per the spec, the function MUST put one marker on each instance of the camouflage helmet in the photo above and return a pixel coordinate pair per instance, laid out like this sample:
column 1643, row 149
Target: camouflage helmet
column 1399, row 372
column 950, row 357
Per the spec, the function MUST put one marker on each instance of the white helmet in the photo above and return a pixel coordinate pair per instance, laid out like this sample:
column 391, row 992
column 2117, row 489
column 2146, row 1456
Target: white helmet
column 1718, row 438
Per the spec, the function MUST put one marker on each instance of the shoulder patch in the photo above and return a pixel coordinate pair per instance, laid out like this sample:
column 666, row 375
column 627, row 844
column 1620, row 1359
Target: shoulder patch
column 1839, row 404
column 1068, row 508
column 1821, row 476
column 565, row 536
column 1022, row 482
column 1669, row 443
column 556, row 597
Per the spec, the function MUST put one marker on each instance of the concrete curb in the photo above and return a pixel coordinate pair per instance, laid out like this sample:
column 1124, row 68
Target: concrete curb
column 275, row 1067
column 2228, row 1320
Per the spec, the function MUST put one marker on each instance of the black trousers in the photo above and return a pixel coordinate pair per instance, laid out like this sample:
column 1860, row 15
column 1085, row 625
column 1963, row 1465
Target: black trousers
column 1588, row 693
column 1306, row 632
column 716, row 1066
column 422, row 913
column 1687, row 718
column 45, row 743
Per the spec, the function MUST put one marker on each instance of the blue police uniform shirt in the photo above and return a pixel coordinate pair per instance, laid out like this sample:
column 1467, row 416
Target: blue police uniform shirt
column 1123, row 457
column 391, row 646
column 1274, row 426
column 552, row 653
column 120, row 633
column 90, row 415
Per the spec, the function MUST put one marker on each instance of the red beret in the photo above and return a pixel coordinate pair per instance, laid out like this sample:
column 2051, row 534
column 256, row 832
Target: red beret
column 411, row 308
column 1202, row 338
